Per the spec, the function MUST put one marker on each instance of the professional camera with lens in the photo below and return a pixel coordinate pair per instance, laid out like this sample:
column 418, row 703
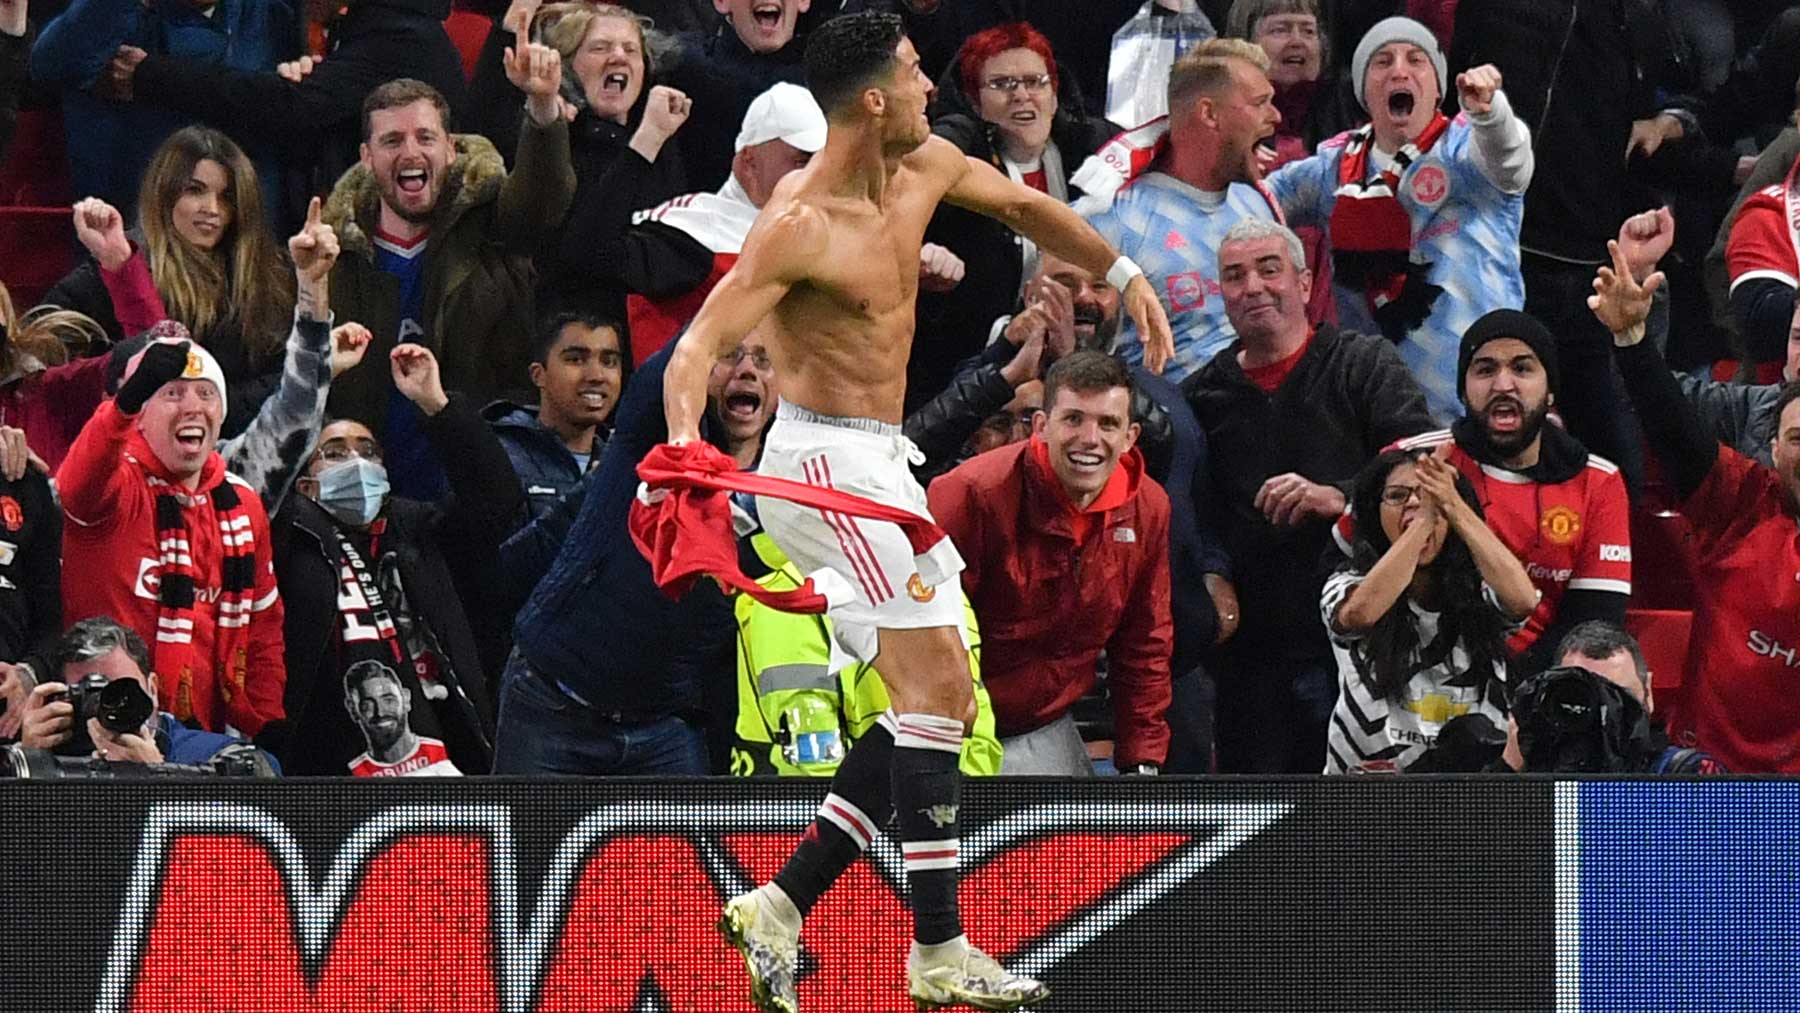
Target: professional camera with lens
column 121, row 706
column 242, row 760
column 1574, row 721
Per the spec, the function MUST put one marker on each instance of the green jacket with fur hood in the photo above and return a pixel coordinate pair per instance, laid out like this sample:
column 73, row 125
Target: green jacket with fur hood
column 478, row 274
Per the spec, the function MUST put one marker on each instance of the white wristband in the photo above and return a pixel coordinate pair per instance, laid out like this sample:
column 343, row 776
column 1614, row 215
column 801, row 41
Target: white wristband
column 1123, row 270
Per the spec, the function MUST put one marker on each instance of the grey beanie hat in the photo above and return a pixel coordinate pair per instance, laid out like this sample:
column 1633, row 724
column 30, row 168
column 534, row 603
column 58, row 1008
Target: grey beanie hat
column 1395, row 29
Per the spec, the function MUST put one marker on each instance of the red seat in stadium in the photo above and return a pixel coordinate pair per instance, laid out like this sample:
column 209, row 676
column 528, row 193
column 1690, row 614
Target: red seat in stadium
column 36, row 170
column 36, row 250
column 469, row 31
column 1662, row 560
column 1663, row 635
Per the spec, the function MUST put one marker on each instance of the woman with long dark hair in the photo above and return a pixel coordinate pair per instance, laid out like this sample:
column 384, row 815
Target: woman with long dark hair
column 1419, row 615
column 206, row 244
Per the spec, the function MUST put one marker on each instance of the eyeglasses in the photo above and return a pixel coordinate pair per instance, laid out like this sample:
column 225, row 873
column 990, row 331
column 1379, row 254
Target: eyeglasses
column 1010, row 84
column 1400, row 495
column 339, row 451
column 1009, row 422
column 758, row 358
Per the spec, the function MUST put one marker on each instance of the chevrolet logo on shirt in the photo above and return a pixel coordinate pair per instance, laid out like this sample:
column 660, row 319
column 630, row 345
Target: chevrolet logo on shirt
column 1436, row 707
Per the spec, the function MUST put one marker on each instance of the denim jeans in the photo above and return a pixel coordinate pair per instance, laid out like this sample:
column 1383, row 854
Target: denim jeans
column 543, row 730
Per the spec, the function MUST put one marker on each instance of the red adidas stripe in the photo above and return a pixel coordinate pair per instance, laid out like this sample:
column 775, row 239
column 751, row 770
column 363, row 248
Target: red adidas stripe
column 874, row 560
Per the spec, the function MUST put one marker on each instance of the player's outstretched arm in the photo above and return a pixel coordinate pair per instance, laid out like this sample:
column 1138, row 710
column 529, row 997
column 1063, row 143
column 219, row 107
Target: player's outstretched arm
column 774, row 258
column 1056, row 227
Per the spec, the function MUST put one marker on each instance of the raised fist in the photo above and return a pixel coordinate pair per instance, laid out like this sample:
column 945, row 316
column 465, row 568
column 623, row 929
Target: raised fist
column 1475, row 88
column 101, row 229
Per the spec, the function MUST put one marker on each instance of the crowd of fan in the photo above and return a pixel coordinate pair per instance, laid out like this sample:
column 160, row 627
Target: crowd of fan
column 361, row 498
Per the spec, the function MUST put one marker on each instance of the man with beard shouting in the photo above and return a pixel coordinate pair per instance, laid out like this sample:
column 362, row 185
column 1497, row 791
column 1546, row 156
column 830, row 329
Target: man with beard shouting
column 1561, row 510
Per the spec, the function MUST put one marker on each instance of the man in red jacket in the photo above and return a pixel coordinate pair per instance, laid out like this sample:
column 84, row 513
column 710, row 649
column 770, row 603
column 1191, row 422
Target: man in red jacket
column 163, row 539
column 1065, row 543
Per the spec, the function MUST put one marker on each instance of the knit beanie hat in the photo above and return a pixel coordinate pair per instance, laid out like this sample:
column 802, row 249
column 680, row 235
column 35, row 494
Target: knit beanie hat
column 1395, row 29
column 200, row 363
column 1499, row 324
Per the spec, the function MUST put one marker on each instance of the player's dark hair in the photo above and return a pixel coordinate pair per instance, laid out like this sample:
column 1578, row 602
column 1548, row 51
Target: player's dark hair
column 1086, row 372
column 847, row 54
column 1391, row 653
column 363, row 671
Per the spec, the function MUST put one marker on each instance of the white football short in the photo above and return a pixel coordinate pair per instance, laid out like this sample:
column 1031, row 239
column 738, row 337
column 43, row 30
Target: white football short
column 871, row 459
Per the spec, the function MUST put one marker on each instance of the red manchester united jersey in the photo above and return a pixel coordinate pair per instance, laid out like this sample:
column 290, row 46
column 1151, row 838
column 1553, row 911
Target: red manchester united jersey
column 1761, row 245
column 1743, row 694
column 1571, row 536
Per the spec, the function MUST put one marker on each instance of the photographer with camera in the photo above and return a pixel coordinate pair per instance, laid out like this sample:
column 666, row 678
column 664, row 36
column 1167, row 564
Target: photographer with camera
column 1593, row 713
column 104, row 706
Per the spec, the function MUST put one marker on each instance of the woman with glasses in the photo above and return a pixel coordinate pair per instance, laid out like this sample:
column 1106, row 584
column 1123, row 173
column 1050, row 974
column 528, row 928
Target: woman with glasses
column 1003, row 102
column 1419, row 615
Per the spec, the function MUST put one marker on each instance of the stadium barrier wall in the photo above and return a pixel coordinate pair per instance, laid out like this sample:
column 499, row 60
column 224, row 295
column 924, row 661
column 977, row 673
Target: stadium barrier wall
column 1364, row 894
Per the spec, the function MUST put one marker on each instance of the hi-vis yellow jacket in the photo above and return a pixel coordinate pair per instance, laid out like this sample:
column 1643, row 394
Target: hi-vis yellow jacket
column 786, row 689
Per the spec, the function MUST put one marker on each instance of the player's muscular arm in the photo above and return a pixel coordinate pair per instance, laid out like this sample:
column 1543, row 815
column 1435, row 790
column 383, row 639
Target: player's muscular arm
column 774, row 259
column 1053, row 225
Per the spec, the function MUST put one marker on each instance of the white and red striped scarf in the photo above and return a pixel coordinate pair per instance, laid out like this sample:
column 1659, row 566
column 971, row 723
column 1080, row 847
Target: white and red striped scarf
column 174, row 653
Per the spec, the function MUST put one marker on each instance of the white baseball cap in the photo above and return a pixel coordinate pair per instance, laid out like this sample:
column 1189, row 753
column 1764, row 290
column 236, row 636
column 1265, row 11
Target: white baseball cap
column 786, row 112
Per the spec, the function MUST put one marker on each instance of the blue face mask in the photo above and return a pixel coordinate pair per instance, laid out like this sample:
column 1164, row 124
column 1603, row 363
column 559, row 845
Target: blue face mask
column 352, row 491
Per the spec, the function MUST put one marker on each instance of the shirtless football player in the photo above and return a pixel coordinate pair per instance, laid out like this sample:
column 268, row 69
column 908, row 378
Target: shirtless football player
column 832, row 263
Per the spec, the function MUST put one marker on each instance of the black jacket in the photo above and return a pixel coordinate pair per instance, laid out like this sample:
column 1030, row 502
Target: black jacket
column 1349, row 396
column 722, row 77
column 991, row 253
column 316, row 122
column 588, row 260
column 1577, row 72
column 31, row 611
column 446, row 556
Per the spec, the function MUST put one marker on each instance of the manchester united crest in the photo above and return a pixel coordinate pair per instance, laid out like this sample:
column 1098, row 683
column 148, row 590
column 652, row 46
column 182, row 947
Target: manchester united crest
column 1560, row 524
